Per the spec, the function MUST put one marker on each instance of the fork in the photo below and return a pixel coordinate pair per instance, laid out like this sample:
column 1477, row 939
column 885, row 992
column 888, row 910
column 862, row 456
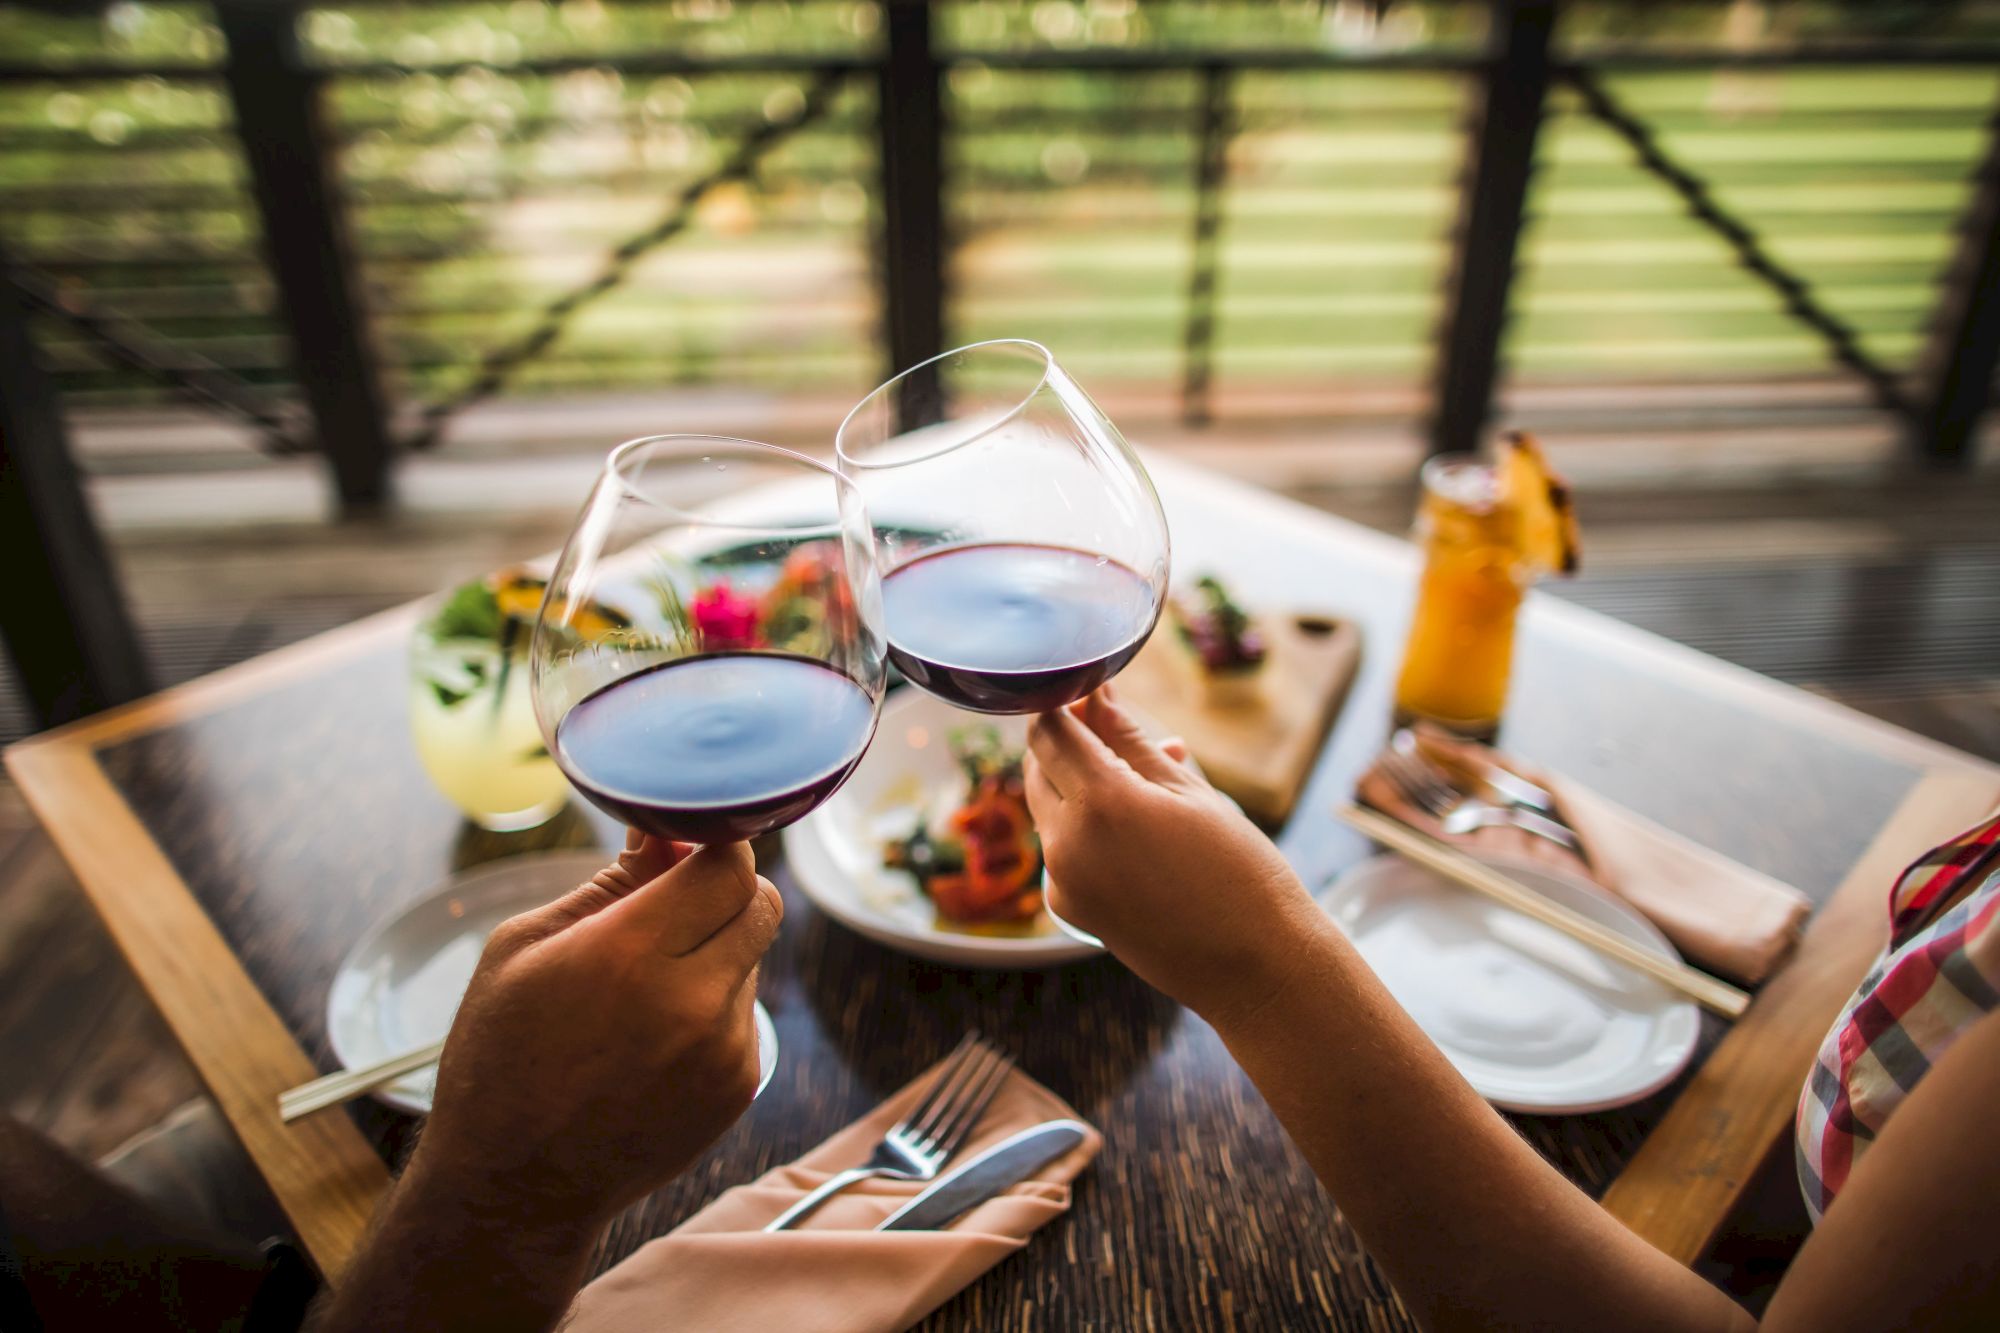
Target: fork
column 917, row 1146
column 1511, row 788
column 1460, row 812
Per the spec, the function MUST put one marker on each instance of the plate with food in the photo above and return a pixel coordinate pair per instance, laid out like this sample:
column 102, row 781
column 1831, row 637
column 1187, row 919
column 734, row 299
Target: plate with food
column 929, row 847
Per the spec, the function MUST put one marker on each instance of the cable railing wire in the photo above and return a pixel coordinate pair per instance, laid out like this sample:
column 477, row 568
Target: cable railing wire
column 1745, row 245
column 186, row 372
column 498, row 366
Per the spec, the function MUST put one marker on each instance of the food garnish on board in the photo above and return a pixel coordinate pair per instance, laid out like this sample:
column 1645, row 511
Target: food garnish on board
column 981, row 863
column 1218, row 641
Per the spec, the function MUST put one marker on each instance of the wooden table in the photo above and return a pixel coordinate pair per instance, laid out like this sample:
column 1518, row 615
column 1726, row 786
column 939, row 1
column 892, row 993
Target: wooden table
column 238, row 834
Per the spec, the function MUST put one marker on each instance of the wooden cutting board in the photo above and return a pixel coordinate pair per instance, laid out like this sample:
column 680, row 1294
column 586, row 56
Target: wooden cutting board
column 1261, row 752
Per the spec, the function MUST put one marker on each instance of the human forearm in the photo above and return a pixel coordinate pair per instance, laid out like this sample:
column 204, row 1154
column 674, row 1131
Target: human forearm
column 1475, row 1229
column 447, row 1254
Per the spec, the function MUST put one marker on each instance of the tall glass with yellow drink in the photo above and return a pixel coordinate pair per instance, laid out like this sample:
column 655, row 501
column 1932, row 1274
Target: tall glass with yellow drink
column 1461, row 643
column 472, row 716
column 1488, row 530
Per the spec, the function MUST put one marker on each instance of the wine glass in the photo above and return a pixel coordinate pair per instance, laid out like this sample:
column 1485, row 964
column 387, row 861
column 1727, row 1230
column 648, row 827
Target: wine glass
column 1022, row 547
column 708, row 664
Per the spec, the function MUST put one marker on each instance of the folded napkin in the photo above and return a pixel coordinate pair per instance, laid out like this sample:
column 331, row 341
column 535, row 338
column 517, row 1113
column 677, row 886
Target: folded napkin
column 1721, row 915
column 721, row 1273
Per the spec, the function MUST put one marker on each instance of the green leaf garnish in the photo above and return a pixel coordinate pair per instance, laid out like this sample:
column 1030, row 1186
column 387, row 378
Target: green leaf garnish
column 681, row 634
column 981, row 753
column 471, row 612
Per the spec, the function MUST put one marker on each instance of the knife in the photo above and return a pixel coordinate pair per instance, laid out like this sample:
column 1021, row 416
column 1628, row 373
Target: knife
column 1006, row 1163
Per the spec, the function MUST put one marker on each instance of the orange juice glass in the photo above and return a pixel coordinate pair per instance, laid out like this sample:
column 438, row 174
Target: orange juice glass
column 1461, row 644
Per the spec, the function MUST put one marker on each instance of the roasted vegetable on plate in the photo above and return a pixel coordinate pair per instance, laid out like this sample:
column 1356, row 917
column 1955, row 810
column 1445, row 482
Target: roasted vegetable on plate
column 977, row 859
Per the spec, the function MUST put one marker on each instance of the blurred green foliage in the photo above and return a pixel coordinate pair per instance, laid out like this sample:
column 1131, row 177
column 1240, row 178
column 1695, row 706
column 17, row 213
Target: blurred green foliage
column 478, row 193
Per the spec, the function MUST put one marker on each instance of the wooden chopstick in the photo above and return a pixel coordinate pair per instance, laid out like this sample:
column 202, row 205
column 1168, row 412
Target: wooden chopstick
column 1467, row 872
column 345, row 1085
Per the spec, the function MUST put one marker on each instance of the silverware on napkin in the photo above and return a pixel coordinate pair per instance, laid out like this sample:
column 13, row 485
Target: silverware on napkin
column 1501, row 785
column 1431, row 789
column 917, row 1146
column 1004, row 1165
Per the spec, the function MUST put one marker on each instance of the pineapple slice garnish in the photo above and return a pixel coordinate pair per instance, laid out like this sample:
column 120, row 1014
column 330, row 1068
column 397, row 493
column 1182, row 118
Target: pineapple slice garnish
column 1545, row 530
column 519, row 595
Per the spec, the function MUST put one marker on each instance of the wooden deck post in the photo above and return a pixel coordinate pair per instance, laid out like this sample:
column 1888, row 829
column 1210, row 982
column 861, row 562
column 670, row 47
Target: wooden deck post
column 910, row 118
column 64, row 614
column 1493, row 195
column 1954, row 376
column 281, row 126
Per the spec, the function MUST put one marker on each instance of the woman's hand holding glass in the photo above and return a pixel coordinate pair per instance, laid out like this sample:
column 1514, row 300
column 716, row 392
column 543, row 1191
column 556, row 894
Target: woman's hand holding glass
column 1167, row 871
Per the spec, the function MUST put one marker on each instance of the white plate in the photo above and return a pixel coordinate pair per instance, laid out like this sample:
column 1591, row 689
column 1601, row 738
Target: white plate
column 1533, row 1019
column 836, row 851
column 399, row 987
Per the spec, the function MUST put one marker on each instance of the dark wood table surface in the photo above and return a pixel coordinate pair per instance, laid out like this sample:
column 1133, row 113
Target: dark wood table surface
column 279, row 809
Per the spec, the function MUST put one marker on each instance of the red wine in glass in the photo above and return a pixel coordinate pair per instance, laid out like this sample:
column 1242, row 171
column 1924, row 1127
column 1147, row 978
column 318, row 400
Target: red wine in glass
column 719, row 746
column 1023, row 550
column 1011, row 627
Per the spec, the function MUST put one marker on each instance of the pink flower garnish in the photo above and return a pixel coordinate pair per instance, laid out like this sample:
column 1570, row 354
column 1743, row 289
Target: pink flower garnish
column 724, row 617
column 810, row 572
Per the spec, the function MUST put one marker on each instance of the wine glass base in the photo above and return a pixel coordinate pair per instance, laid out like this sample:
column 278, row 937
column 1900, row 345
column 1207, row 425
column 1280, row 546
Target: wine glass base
column 1080, row 936
column 767, row 1047
column 518, row 821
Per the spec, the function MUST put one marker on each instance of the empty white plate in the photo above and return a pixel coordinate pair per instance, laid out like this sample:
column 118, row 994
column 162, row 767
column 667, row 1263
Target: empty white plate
column 399, row 987
column 1534, row 1020
column 836, row 851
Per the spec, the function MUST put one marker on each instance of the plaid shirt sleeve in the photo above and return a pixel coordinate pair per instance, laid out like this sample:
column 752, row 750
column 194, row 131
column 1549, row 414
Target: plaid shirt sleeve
column 1939, row 974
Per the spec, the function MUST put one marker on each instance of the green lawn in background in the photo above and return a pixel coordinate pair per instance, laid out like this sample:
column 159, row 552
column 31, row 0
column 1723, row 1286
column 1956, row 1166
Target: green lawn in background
column 479, row 197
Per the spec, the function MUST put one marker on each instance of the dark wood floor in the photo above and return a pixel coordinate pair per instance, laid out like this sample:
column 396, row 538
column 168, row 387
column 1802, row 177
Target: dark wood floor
column 85, row 1056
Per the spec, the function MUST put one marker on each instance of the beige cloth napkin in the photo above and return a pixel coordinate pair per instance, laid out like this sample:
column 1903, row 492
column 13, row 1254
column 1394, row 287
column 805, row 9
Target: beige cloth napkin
column 1721, row 915
column 721, row 1273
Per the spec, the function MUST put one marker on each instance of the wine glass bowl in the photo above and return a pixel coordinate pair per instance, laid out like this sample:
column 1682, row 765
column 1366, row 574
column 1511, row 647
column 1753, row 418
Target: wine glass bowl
column 707, row 664
column 1022, row 549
